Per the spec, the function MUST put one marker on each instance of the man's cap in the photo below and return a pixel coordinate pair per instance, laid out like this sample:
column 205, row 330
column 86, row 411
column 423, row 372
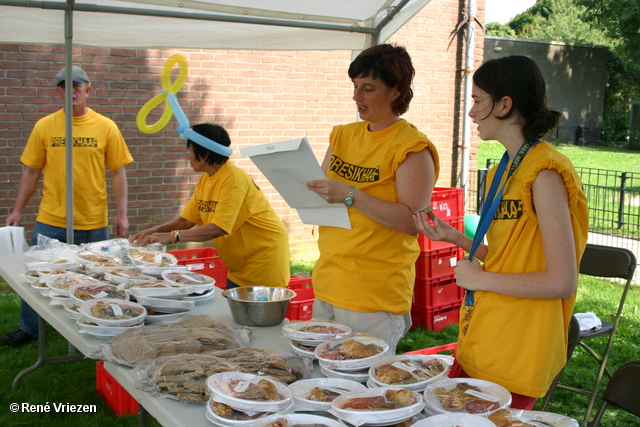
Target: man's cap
column 77, row 74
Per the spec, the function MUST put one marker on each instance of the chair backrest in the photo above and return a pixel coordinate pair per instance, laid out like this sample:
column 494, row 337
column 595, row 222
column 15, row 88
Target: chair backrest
column 574, row 336
column 608, row 261
column 622, row 390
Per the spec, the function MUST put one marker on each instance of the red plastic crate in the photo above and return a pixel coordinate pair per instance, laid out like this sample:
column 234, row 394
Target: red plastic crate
column 437, row 291
column 437, row 349
column 435, row 318
column 112, row 392
column 448, row 202
column 427, row 244
column 438, row 262
column 204, row 261
column 301, row 307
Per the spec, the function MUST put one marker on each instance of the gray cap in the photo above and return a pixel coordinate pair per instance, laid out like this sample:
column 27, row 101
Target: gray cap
column 78, row 75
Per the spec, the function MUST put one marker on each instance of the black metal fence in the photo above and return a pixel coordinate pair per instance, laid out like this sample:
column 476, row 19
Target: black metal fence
column 614, row 205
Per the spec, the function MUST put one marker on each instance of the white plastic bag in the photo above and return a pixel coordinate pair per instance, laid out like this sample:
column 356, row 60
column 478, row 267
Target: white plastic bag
column 12, row 239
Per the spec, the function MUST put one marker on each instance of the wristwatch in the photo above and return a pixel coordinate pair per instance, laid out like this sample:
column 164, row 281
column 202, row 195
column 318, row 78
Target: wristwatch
column 348, row 201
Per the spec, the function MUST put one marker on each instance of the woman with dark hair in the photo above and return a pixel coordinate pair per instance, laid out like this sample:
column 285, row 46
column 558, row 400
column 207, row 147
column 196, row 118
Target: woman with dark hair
column 383, row 169
column 518, row 303
column 230, row 210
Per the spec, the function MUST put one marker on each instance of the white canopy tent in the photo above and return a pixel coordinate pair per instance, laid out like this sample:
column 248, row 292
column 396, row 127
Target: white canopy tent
column 206, row 24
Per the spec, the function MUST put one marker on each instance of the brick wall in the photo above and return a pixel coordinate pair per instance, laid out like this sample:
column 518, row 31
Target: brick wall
column 258, row 96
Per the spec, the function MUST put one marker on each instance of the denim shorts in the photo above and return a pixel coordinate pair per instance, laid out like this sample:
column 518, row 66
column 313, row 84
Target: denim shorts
column 60, row 233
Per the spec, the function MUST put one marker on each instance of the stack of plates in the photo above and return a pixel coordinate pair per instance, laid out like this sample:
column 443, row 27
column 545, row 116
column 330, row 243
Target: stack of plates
column 412, row 371
column 351, row 357
column 305, row 336
column 163, row 311
column 199, row 282
column 109, row 317
column 238, row 399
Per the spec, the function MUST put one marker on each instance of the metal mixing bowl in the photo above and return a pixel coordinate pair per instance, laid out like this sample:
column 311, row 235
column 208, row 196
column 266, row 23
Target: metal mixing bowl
column 258, row 305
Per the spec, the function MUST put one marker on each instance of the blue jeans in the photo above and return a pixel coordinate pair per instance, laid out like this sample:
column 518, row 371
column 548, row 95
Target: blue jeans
column 231, row 285
column 28, row 316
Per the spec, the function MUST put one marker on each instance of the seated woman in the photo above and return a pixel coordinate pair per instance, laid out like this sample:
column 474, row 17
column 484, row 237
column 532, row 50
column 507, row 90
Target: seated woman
column 232, row 211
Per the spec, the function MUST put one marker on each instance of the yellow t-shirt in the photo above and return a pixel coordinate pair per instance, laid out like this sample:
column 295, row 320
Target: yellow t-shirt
column 371, row 267
column 521, row 343
column 256, row 248
column 97, row 141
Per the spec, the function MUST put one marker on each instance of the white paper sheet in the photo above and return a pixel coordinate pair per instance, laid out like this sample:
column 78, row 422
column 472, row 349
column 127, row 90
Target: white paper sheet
column 288, row 165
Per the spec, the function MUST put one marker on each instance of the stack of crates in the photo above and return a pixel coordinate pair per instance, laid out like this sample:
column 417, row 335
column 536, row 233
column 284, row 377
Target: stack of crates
column 301, row 307
column 436, row 296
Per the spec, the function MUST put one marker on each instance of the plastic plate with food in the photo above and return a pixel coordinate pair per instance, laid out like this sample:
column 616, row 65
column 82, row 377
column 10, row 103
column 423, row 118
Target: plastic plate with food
column 102, row 267
column 113, row 312
column 89, row 257
column 165, row 305
column 59, row 285
column 360, row 376
column 249, row 392
column 352, row 353
column 199, row 282
column 159, row 318
column 62, row 264
column 222, row 414
column 316, row 394
column 127, row 276
column 141, row 257
column 303, row 349
column 81, row 292
column 314, row 330
column 72, row 310
column 41, row 287
column 412, row 371
column 157, row 270
column 203, row 297
column 465, row 395
column 377, row 406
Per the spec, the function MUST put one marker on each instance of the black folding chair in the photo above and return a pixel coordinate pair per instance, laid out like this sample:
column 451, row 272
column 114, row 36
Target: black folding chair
column 610, row 262
column 574, row 339
column 622, row 391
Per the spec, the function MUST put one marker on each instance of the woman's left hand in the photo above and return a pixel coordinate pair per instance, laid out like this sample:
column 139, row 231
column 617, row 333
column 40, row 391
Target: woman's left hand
column 467, row 273
column 332, row 190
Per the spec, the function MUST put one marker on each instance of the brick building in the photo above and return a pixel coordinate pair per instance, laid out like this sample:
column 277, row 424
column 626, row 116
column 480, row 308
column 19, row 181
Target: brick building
column 258, row 96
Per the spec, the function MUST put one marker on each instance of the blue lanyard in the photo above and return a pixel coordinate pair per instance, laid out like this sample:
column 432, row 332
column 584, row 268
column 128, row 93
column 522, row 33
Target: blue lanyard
column 494, row 196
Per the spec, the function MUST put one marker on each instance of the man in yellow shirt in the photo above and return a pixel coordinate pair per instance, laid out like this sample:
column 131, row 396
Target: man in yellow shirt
column 96, row 141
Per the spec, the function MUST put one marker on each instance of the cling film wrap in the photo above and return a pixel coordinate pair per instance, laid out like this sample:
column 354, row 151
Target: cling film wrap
column 196, row 334
column 409, row 369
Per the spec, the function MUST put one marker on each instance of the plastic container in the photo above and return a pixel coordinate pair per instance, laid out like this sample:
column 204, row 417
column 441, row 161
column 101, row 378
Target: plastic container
column 437, row 317
column 412, row 371
column 315, row 331
column 204, row 261
column 199, row 282
column 118, row 399
column 81, row 292
column 438, row 262
column 301, row 307
column 127, row 277
column 428, row 293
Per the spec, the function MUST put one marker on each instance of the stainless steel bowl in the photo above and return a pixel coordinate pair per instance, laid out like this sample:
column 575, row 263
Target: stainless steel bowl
column 258, row 305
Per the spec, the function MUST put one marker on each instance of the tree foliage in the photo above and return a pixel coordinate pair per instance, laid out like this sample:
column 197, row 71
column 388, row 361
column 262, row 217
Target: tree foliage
column 611, row 23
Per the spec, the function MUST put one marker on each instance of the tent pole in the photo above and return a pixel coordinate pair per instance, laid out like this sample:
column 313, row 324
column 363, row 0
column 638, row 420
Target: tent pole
column 68, row 116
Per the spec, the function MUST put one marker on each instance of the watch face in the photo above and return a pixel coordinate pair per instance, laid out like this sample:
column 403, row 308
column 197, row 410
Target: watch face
column 348, row 202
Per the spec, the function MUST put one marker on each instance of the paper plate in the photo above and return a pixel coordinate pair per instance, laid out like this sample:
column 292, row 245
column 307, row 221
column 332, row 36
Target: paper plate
column 234, row 421
column 454, row 420
column 412, row 371
column 113, row 312
column 371, row 414
column 299, row 419
column 236, row 389
column 332, row 354
column 517, row 416
column 314, row 330
column 322, row 388
column 489, row 391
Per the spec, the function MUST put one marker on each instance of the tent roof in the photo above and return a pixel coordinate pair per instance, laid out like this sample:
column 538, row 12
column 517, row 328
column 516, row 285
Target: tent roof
column 209, row 24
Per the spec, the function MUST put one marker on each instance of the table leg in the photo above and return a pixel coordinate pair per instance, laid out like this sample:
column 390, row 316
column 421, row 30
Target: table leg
column 142, row 416
column 42, row 349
